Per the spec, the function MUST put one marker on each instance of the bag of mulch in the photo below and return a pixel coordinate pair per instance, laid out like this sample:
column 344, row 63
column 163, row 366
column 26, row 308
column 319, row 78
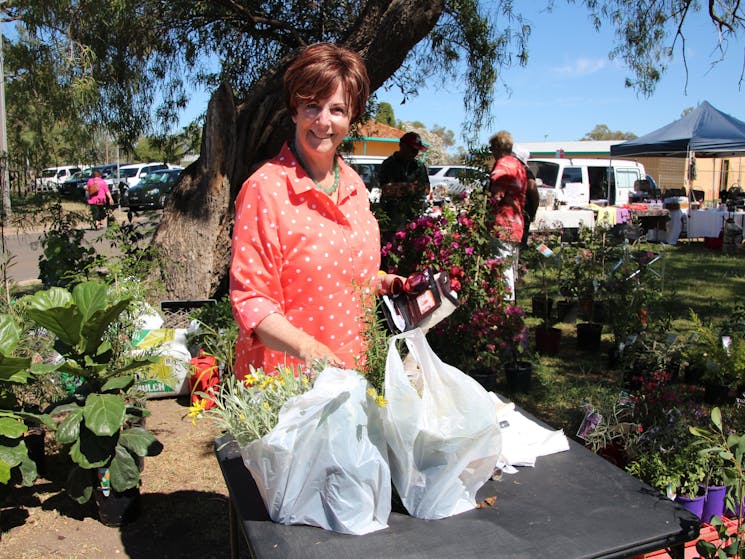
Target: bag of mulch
column 441, row 428
column 324, row 463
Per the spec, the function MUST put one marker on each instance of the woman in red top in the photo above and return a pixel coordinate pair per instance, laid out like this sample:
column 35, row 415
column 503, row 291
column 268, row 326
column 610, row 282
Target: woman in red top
column 306, row 247
column 508, row 187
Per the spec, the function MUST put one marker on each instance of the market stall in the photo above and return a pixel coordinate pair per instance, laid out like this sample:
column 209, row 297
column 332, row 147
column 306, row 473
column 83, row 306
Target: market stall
column 709, row 223
column 571, row 504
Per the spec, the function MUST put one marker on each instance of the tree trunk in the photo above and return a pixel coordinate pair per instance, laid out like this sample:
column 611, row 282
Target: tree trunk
column 194, row 235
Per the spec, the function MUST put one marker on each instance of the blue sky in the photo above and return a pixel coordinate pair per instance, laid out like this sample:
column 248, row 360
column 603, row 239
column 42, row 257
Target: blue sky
column 570, row 85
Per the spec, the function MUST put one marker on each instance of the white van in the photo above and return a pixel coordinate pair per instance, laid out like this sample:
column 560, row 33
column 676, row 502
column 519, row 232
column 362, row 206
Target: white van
column 579, row 182
column 52, row 177
column 367, row 166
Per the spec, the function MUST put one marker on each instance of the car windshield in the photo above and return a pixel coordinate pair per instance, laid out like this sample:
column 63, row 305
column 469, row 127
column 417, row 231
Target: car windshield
column 433, row 170
column 547, row 173
column 48, row 173
column 128, row 173
column 158, row 177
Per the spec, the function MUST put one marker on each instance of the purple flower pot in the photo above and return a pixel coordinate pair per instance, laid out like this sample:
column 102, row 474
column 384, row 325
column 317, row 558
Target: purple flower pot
column 695, row 505
column 714, row 497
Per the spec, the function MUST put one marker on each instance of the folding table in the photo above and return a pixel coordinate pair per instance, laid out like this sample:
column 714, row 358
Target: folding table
column 572, row 504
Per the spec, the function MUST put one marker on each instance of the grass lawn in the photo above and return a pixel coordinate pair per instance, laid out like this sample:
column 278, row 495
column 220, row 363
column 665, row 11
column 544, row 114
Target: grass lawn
column 700, row 279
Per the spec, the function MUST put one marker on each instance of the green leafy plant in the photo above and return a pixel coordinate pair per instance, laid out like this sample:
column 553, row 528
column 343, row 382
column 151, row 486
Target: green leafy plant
column 728, row 447
column 65, row 258
column 14, row 420
column 720, row 348
column 485, row 329
column 99, row 424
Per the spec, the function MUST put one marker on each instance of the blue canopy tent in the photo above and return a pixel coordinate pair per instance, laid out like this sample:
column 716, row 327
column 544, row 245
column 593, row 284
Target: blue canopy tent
column 705, row 131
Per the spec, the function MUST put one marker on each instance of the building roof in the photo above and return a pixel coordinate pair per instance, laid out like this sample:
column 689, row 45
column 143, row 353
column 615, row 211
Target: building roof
column 374, row 129
column 576, row 148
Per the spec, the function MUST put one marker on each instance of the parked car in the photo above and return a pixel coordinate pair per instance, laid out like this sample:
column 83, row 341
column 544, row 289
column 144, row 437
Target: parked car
column 152, row 191
column 367, row 166
column 130, row 175
column 457, row 179
column 52, row 177
column 74, row 187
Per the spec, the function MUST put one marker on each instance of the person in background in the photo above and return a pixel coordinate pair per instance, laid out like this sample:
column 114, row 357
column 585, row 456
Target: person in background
column 532, row 198
column 99, row 196
column 306, row 247
column 404, row 184
column 507, row 188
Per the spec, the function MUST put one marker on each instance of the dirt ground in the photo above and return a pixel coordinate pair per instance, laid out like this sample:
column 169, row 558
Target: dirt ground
column 184, row 506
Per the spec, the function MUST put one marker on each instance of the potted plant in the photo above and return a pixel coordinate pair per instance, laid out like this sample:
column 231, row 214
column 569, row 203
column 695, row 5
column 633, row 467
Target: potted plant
column 483, row 330
column 15, row 421
column 100, row 425
column 721, row 350
column 611, row 432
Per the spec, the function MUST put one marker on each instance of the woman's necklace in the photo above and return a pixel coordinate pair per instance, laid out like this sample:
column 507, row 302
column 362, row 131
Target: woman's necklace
column 330, row 190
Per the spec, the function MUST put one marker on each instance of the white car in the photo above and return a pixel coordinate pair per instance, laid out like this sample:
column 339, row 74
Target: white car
column 367, row 166
column 52, row 177
column 457, row 179
column 130, row 175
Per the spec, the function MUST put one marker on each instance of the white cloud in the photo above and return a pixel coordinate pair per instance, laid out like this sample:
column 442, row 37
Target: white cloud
column 580, row 67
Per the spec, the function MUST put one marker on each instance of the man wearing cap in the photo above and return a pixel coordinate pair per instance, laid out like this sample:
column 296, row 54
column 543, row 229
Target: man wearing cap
column 404, row 186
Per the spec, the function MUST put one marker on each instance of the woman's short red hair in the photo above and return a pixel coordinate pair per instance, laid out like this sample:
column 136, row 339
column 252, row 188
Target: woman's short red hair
column 319, row 69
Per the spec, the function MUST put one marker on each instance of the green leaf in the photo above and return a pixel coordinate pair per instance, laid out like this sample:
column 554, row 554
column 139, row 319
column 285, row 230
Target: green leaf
column 28, row 472
column 80, row 484
column 9, row 334
column 140, row 442
column 54, row 309
column 90, row 298
column 68, row 431
column 124, row 471
column 104, row 413
column 12, row 428
column 15, row 369
column 117, row 383
column 13, row 455
column 705, row 548
column 4, row 472
column 716, row 417
column 90, row 451
column 96, row 325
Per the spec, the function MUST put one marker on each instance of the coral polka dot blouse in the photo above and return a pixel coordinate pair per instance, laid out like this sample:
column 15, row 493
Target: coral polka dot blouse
column 298, row 253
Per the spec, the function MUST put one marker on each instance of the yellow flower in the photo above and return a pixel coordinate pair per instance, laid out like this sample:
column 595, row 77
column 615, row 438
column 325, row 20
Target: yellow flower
column 372, row 393
column 265, row 405
column 196, row 409
column 381, row 401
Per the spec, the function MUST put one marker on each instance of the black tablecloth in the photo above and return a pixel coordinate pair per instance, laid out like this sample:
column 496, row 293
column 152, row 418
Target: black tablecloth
column 572, row 504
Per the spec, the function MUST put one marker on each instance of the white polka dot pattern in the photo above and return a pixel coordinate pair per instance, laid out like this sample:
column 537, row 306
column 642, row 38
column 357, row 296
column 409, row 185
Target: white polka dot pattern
column 297, row 253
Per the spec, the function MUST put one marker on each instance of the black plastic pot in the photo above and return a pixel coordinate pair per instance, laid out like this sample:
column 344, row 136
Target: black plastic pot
column 117, row 508
column 519, row 376
column 541, row 306
column 547, row 340
column 34, row 439
column 566, row 311
column 589, row 335
column 486, row 378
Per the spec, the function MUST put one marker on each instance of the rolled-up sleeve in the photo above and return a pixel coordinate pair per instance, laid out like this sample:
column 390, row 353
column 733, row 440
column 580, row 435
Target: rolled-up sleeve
column 255, row 288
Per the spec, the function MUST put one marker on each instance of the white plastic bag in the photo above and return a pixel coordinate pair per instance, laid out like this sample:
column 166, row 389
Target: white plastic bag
column 324, row 463
column 444, row 440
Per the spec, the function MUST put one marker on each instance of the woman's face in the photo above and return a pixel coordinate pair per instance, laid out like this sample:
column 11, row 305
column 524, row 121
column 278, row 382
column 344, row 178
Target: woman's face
column 321, row 125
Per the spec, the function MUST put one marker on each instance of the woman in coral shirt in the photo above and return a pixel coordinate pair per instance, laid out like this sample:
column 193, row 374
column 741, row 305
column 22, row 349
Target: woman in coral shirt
column 306, row 248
